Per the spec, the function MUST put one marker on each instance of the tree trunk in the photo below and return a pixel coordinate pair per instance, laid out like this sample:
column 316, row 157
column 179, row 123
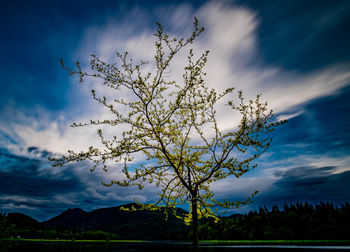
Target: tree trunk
column 194, row 222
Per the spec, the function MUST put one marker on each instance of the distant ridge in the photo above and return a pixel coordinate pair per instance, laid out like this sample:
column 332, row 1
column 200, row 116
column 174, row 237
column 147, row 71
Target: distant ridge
column 23, row 221
column 66, row 218
column 138, row 224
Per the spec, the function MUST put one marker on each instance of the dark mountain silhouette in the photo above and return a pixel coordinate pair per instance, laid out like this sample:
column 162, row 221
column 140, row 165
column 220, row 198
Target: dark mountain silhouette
column 17, row 225
column 66, row 219
column 22, row 221
column 140, row 224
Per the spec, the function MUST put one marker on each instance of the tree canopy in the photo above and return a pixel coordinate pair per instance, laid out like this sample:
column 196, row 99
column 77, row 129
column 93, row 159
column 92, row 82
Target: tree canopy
column 174, row 125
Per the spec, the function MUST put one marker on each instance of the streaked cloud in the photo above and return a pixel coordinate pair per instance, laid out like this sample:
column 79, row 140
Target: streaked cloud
column 231, row 35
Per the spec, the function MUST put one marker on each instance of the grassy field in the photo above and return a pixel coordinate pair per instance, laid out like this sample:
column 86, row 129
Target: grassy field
column 67, row 240
column 204, row 242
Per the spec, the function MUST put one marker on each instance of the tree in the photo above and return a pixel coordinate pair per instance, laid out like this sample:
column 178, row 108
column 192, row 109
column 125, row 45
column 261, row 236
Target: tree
column 175, row 127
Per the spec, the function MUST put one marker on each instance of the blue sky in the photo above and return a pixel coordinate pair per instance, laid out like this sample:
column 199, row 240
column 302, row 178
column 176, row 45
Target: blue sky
column 295, row 53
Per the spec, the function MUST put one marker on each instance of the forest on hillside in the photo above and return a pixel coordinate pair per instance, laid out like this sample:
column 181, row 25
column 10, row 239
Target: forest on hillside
column 295, row 221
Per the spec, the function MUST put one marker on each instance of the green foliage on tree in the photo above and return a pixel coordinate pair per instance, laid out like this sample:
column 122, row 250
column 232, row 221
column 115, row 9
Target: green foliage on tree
column 174, row 125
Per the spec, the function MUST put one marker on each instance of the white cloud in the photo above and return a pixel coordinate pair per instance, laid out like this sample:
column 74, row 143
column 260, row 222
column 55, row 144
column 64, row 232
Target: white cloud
column 242, row 187
column 288, row 116
column 179, row 16
column 50, row 138
column 231, row 31
column 66, row 199
column 23, row 199
column 16, row 207
column 264, row 180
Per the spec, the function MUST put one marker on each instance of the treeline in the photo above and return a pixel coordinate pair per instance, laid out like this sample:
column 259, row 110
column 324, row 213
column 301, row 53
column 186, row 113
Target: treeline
column 299, row 221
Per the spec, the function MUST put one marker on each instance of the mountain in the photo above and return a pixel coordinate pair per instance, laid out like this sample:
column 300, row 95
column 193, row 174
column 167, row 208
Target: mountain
column 140, row 224
column 22, row 221
column 67, row 219
column 17, row 224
